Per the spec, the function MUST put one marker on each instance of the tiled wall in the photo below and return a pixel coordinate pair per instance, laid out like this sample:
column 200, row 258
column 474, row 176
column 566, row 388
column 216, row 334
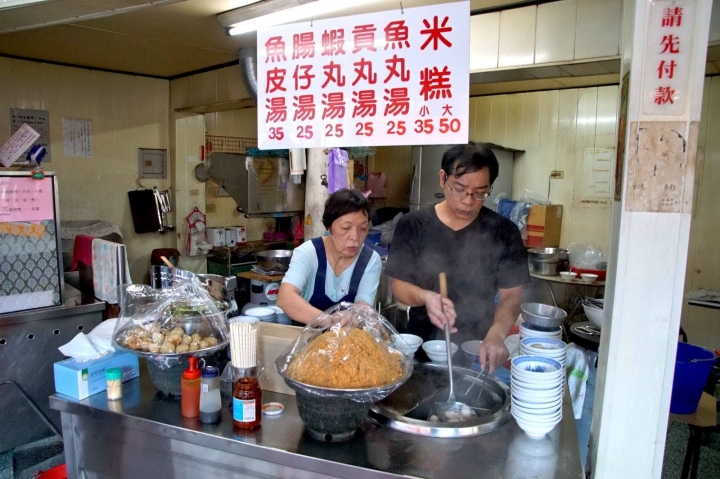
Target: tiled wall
column 127, row 113
column 703, row 264
column 554, row 128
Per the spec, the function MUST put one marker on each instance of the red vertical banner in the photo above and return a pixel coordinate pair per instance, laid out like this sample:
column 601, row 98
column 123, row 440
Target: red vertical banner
column 387, row 78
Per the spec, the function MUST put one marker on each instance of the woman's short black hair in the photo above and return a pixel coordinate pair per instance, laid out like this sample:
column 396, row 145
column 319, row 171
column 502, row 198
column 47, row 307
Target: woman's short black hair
column 461, row 159
column 344, row 202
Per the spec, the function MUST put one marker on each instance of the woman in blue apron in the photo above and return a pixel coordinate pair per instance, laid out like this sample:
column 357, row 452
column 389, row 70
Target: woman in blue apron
column 336, row 267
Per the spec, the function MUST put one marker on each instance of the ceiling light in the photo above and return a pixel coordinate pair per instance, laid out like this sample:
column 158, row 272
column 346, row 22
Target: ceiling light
column 17, row 3
column 293, row 14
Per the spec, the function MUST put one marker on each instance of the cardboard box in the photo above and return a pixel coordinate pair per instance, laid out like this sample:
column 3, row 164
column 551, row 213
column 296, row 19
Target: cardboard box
column 272, row 341
column 82, row 379
column 543, row 226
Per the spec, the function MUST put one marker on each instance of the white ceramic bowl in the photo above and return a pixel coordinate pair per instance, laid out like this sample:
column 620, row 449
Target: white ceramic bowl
column 536, row 367
column 568, row 275
column 527, row 331
column 544, row 345
column 534, row 397
column 472, row 350
column 535, row 430
column 595, row 315
column 547, row 412
column 544, row 389
column 536, row 405
column 411, row 343
column 437, row 351
column 588, row 277
column 539, row 418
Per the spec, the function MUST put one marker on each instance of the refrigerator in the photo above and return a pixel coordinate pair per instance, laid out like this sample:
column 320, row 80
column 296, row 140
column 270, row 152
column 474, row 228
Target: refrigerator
column 31, row 270
column 427, row 163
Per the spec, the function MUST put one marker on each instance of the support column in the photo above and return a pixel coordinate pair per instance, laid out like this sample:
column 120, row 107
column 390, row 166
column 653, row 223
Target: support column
column 664, row 46
column 315, row 192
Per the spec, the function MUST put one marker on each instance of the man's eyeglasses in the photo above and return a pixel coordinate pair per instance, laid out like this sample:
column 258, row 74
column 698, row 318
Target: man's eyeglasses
column 458, row 193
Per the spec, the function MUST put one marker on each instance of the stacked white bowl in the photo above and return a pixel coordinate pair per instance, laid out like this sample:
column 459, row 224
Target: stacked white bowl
column 529, row 331
column 544, row 347
column 537, row 385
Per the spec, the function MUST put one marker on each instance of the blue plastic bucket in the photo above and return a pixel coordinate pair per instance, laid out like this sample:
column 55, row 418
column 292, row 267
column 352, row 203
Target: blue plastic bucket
column 692, row 369
column 373, row 237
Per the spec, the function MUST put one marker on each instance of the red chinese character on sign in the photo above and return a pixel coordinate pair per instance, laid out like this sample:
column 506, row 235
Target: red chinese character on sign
column 435, row 83
column 424, row 111
column 303, row 45
column 364, row 37
column 277, row 111
column 666, row 69
column 396, row 67
column 672, row 17
column 663, row 95
column 333, row 42
column 360, row 67
column 332, row 73
column 304, row 76
column 365, row 103
column 275, row 79
column 275, row 50
column 396, row 33
column 334, row 105
column 398, row 103
column 447, row 110
column 304, row 108
column 670, row 43
column 435, row 33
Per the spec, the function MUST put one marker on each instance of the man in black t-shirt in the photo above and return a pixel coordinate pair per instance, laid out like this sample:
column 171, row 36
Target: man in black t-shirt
column 481, row 252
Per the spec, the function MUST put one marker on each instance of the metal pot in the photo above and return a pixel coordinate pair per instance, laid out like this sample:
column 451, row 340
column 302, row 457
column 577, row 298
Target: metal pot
column 274, row 259
column 547, row 255
column 221, row 288
column 544, row 268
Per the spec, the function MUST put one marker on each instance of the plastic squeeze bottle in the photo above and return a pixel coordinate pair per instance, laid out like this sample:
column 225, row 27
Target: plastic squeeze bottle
column 190, row 390
column 210, row 395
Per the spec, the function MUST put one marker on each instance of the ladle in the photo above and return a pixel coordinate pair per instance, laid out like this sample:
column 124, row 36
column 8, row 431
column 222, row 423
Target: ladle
column 452, row 410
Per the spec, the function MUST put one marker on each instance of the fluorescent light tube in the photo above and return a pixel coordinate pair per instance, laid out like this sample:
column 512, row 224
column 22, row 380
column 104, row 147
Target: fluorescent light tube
column 16, row 3
column 289, row 15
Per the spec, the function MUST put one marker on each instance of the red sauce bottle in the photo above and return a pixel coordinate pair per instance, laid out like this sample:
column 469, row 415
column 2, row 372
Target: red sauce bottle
column 190, row 390
column 247, row 403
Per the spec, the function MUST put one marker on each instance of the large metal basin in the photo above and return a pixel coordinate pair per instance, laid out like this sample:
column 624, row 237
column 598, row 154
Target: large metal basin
column 408, row 408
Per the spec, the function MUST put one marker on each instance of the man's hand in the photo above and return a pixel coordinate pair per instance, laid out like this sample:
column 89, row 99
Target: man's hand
column 440, row 311
column 493, row 350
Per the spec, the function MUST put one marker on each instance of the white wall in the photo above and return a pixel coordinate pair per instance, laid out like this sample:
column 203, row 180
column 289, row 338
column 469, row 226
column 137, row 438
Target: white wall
column 127, row 112
column 554, row 128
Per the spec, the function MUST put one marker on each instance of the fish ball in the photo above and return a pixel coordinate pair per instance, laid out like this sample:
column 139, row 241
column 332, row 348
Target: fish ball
column 182, row 348
column 186, row 339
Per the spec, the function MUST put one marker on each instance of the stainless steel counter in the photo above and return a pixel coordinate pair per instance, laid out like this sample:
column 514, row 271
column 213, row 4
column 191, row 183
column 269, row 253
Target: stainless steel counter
column 145, row 436
column 28, row 349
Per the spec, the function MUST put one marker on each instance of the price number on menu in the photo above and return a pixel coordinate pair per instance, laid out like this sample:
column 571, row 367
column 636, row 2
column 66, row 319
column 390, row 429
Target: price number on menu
column 444, row 125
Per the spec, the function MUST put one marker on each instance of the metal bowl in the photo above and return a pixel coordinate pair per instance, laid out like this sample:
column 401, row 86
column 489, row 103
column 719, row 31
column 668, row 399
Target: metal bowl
column 274, row 259
column 547, row 255
column 542, row 315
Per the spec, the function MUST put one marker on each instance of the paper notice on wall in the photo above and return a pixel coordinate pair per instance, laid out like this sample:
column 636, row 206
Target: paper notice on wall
column 77, row 137
column 17, row 144
column 25, row 199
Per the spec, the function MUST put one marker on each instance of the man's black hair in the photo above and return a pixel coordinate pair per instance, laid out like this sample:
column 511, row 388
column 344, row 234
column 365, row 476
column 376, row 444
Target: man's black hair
column 462, row 159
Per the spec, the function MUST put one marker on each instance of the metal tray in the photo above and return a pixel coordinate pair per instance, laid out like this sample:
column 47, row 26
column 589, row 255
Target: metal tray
column 408, row 408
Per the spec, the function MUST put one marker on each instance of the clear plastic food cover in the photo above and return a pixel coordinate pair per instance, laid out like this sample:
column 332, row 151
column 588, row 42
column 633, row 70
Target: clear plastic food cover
column 351, row 352
column 168, row 325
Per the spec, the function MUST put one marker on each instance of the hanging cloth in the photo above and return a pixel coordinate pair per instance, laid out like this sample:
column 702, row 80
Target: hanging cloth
column 337, row 170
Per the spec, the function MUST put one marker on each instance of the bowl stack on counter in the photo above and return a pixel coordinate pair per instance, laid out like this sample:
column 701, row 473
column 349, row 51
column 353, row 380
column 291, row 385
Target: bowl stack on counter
column 537, row 386
column 537, row 381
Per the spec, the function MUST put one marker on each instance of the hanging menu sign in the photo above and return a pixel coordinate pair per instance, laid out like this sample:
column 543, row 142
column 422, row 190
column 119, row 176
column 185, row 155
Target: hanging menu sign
column 387, row 78
column 25, row 199
column 668, row 52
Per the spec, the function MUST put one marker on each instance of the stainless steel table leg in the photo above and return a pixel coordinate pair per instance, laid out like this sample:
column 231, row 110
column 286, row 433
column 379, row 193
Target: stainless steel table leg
column 552, row 295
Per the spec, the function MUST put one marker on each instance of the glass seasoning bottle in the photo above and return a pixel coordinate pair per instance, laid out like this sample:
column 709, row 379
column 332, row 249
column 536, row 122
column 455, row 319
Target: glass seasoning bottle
column 210, row 395
column 113, row 376
column 247, row 403
column 190, row 390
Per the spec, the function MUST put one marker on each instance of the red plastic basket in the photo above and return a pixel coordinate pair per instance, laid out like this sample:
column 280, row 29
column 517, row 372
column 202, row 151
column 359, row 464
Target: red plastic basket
column 57, row 472
column 600, row 272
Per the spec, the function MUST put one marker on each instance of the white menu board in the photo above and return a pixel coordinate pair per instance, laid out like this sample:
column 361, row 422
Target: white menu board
column 388, row 78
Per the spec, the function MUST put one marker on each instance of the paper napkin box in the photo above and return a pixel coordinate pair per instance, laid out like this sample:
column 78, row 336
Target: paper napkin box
column 82, row 379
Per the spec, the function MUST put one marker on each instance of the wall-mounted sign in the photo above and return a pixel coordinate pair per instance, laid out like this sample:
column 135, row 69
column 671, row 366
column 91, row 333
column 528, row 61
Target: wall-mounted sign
column 38, row 120
column 668, row 52
column 77, row 137
column 387, row 78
